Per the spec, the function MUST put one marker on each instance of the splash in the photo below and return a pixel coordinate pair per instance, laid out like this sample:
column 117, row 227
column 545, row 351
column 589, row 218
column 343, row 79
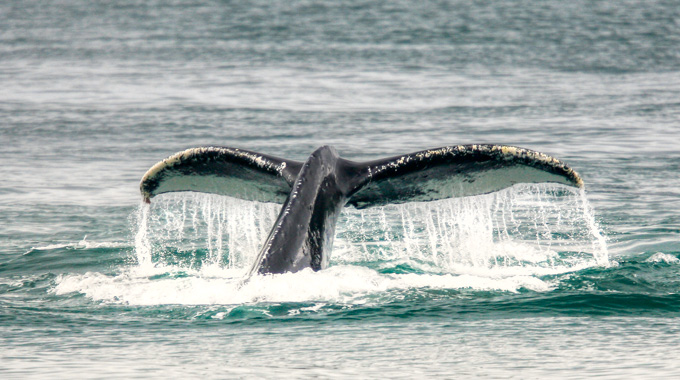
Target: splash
column 195, row 249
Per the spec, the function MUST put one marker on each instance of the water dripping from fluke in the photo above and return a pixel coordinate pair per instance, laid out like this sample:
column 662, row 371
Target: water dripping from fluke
column 531, row 229
column 197, row 231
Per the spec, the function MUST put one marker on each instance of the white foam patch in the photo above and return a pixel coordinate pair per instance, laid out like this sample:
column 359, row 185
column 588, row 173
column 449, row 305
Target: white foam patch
column 661, row 257
column 341, row 284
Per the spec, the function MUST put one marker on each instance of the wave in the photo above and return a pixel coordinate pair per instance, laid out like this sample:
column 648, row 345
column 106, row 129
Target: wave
column 348, row 291
column 82, row 244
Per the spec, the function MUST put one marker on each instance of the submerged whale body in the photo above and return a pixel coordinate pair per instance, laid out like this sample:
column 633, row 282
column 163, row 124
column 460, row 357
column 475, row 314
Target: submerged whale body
column 314, row 192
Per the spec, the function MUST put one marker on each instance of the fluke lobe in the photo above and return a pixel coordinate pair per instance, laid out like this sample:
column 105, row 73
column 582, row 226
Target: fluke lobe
column 314, row 192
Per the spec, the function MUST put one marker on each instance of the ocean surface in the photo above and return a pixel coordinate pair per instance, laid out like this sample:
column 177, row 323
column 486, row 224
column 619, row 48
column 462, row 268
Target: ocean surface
column 530, row 282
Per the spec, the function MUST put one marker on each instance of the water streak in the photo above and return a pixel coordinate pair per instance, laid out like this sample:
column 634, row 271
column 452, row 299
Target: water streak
column 539, row 229
column 204, row 229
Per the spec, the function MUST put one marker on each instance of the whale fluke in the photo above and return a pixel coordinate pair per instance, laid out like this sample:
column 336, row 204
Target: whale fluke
column 455, row 171
column 314, row 192
column 226, row 171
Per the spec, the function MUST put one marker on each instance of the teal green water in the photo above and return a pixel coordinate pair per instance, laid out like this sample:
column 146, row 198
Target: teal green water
column 530, row 282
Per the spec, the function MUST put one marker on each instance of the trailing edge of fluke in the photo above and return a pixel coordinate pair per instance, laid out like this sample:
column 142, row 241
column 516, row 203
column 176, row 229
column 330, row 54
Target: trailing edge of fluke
column 314, row 192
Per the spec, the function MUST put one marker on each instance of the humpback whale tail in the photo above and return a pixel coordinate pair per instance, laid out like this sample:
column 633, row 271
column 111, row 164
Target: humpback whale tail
column 314, row 192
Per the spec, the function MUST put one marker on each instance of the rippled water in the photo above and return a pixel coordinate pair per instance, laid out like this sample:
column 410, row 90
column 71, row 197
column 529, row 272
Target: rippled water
column 529, row 282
